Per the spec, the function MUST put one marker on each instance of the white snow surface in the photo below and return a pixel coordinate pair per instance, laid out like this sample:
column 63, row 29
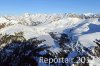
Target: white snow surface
column 86, row 30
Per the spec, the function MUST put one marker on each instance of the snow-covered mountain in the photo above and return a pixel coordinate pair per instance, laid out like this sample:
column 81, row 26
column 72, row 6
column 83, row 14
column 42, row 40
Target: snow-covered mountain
column 84, row 29
column 41, row 24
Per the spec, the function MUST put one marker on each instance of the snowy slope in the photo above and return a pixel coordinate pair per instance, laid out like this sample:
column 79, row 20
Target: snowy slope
column 84, row 29
column 52, row 23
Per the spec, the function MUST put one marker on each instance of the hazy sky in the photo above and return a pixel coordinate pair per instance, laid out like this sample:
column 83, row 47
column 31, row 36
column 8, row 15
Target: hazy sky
column 16, row 7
